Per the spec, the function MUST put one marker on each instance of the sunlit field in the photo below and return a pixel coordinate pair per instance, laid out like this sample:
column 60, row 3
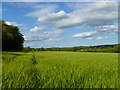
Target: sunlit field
column 59, row 70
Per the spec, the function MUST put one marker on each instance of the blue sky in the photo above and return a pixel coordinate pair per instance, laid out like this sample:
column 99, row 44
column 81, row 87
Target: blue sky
column 63, row 24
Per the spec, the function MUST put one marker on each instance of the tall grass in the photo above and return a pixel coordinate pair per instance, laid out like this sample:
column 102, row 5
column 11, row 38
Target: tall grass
column 77, row 70
column 60, row 70
column 19, row 71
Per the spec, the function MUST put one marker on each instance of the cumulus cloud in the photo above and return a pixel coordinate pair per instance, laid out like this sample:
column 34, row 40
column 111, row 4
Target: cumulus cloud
column 36, row 29
column 42, row 10
column 29, row 38
column 93, row 35
column 85, row 34
column 99, row 30
column 52, row 17
column 100, row 38
column 44, row 36
column 93, row 14
column 100, row 16
column 55, row 33
column 110, row 28
column 96, row 38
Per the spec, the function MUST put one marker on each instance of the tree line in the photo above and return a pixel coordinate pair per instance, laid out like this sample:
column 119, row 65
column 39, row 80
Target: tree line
column 100, row 48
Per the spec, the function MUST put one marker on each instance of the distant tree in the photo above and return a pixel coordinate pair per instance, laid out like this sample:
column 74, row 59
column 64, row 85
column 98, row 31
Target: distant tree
column 117, row 48
column 12, row 39
column 75, row 49
column 42, row 49
column 26, row 49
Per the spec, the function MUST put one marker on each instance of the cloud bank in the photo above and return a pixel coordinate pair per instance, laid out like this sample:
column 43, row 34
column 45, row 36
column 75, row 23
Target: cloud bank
column 102, row 17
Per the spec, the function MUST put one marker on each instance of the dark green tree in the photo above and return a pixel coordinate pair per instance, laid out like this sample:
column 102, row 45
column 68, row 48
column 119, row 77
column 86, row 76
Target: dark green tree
column 26, row 49
column 117, row 48
column 12, row 39
column 42, row 49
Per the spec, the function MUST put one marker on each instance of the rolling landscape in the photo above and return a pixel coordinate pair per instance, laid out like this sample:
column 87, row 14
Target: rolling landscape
column 58, row 45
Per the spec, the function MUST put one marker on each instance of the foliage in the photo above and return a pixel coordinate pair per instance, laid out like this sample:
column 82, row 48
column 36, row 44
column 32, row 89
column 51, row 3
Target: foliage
column 100, row 48
column 27, row 49
column 117, row 48
column 12, row 39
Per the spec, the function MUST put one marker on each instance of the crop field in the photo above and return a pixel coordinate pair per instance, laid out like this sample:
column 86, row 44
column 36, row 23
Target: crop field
column 59, row 70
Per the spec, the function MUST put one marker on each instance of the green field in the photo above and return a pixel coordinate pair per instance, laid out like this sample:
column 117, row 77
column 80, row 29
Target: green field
column 59, row 70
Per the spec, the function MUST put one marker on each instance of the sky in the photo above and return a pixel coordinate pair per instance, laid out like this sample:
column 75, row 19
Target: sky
column 63, row 24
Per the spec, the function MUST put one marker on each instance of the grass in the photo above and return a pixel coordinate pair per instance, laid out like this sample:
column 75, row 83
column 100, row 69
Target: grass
column 59, row 70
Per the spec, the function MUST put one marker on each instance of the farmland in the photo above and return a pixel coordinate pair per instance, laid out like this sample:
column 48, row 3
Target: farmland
column 59, row 70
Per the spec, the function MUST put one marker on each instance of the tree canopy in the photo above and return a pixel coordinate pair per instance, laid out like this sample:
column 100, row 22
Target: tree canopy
column 115, row 48
column 12, row 39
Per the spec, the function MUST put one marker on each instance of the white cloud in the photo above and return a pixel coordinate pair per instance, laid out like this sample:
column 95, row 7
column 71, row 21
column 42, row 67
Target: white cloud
column 99, row 30
column 53, row 36
column 93, row 35
column 36, row 29
column 101, row 16
column 44, row 36
column 42, row 10
column 96, row 38
column 30, row 38
column 110, row 28
column 12, row 23
column 85, row 34
column 92, row 14
column 53, row 40
column 100, row 38
column 89, row 38
column 52, row 17
column 55, row 33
